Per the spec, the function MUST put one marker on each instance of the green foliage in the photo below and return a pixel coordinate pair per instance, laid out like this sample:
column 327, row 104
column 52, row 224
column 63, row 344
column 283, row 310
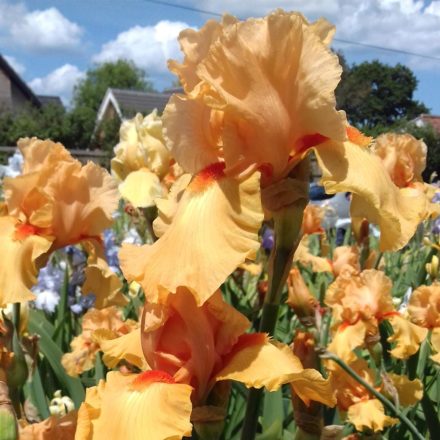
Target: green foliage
column 90, row 91
column 373, row 93
column 48, row 122
column 74, row 128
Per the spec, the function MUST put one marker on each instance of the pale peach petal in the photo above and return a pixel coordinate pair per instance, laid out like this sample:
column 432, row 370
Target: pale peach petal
column 19, row 268
column 167, row 206
column 407, row 337
column 192, row 132
column 369, row 414
column 221, row 217
column 269, row 105
column 143, row 407
column 38, row 154
column 349, row 167
column 141, row 187
column 195, row 45
column 127, row 347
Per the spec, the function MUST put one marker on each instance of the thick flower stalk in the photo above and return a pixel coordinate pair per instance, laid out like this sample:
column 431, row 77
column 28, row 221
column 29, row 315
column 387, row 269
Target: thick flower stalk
column 55, row 202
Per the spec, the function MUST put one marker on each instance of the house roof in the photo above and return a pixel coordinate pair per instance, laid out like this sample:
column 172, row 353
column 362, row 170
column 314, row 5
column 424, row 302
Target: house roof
column 49, row 99
column 15, row 78
column 433, row 120
column 133, row 101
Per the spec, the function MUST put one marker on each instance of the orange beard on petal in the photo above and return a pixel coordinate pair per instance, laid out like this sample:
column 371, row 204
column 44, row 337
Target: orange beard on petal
column 148, row 377
column 207, row 176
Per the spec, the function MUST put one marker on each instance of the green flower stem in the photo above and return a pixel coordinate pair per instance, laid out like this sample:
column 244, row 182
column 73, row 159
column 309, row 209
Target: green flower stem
column 385, row 402
column 16, row 317
column 287, row 223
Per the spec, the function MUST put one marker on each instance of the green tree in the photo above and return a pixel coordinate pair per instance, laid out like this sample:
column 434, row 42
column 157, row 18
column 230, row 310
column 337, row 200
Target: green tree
column 376, row 94
column 48, row 122
column 90, row 91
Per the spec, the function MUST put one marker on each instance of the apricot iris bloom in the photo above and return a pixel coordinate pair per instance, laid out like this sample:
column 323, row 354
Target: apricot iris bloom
column 54, row 203
column 359, row 303
column 424, row 310
column 190, row 349
column 85, row 346
column 259, row 95
column 363, row 410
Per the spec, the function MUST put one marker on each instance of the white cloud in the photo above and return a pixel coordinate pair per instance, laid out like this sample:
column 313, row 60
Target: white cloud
column 38, row 30
column 149, row 47
column 398, row 24
column 59, row 82
column 16, row 65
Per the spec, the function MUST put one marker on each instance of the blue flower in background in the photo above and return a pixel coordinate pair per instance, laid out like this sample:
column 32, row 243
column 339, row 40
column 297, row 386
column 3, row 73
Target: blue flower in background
column 267, row 239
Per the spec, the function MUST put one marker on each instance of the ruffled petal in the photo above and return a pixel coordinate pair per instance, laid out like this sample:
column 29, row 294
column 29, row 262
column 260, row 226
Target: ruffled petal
column 19, row 268
column 38, row 154
column 256, row 361
column 214, row 230
column 141, row 187
column 192, row 131
column 349, row 167
column 407, row 336
column 274, row 79
column 145, row 404
column 100, row 279
column 127, row 347
column 52, row 428
column 410, row 391
column 369, row 414
column 310, row 385
column 345, row 340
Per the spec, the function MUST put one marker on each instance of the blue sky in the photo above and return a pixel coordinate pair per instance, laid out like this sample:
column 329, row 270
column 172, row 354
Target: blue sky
column 52, row 43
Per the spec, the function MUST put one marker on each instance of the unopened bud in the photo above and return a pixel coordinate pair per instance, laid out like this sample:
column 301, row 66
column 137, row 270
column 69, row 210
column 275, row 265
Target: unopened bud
column 432, row 268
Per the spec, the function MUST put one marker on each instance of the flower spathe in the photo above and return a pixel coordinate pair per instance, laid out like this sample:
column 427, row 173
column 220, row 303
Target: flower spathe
column 54, row 203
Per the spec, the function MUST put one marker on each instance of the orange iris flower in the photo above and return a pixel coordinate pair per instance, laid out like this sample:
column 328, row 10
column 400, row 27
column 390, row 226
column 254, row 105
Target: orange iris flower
column 359, row 302
column 258, row 96
column 53, row 203
column 189, row 350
